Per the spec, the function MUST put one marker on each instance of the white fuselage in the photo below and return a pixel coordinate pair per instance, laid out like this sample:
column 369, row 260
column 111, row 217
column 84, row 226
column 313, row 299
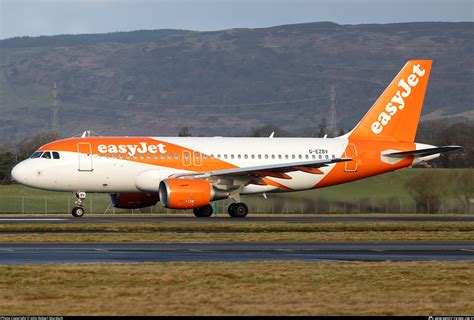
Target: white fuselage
column 116, row 173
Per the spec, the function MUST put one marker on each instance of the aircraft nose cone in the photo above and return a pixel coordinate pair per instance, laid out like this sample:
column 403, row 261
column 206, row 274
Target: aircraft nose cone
column 18, row 173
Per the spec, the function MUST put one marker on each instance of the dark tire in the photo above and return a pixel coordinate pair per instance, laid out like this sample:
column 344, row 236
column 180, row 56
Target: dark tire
column 203, row 212
column 230, row 209
column 77, row 212
column 239, row 210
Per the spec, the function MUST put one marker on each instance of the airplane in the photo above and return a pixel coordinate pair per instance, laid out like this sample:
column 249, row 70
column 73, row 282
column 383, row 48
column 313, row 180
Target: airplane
column 191, row 172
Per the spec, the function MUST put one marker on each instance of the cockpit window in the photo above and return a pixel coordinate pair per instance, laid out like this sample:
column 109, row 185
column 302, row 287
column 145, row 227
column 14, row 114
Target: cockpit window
column 55, row 155
column 46, row 155
column 37, row 154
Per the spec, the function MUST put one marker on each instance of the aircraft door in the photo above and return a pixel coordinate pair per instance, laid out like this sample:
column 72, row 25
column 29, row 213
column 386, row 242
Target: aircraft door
column 186, row 158
column 197, row 156
column 351, row 152
column 85, row 156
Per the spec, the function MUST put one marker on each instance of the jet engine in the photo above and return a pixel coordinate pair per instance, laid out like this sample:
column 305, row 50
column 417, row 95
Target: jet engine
column 187, row 194
column 133, row 200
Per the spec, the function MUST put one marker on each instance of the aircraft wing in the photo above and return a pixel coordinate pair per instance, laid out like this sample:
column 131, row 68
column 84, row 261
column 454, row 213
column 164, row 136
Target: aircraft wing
column 271, row 170
column 423, row 152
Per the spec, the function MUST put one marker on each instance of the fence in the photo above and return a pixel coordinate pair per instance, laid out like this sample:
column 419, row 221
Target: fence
column 276, row 204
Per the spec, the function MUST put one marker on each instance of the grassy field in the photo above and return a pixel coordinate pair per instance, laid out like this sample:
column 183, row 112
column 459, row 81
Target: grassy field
column 276, row 288
column 384, row 193
column 245, row 288
column 206, row 231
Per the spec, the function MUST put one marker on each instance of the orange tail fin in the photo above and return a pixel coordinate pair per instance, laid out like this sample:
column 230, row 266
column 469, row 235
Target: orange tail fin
column 395, row 114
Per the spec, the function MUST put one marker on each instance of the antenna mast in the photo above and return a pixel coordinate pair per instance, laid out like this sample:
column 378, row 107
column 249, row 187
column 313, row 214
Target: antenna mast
column 332, row 127
column 55, row 109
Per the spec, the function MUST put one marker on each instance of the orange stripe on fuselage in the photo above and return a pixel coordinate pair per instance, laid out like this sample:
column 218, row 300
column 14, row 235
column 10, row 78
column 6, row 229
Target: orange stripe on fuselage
column 208, row 164
column 369, row 162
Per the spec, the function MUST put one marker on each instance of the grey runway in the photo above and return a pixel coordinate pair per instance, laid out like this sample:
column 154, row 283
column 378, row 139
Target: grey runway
column 39, row 253
column 62, row 219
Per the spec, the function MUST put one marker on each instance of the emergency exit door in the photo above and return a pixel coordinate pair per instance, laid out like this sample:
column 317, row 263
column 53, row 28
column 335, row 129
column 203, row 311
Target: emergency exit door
column 85, row 156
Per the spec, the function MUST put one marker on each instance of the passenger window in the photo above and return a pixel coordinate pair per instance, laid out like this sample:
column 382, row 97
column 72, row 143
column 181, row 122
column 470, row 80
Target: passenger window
column 149, row 156
column 279, row 156
column 205, row 156
column 46, row 155
column 114, row 156
column 232, row 156
column 313, row 156
column 239, row 156
column 286, row 156
column 55, row 155
column 225, row 156
column 300, row 156
column 273, row 156
column 266, row 156
column 121, row 156
column 327, row 156
column 176, row 156
column 246, row 156
column 162, row 156
column 333, row 156
column 155, row 156
column 306, row 157
column 142, row 156
column 253, row 156
column 293, row 156
column 260, row 156
column 169, row 155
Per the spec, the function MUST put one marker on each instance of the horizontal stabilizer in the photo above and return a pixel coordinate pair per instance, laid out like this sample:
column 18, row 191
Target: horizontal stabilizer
column 424, row 152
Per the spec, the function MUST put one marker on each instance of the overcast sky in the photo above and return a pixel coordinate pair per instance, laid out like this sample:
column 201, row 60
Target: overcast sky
column 49, row 17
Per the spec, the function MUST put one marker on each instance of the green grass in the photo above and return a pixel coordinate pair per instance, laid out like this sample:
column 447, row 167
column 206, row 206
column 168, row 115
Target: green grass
column 205, row 231
column 244, row 288
column 384, row 193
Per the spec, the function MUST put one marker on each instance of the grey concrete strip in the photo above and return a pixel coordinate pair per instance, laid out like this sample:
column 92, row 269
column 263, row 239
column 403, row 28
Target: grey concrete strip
column 249, row 219
column 38, row 253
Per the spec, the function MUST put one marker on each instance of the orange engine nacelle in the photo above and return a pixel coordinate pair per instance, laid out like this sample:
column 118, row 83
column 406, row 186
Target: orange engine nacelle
column 188, row 194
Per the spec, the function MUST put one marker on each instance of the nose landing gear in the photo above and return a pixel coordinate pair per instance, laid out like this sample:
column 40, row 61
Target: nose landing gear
column 78, row 211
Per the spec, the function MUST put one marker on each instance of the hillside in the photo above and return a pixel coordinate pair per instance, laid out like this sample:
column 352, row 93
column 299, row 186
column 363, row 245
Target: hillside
column 226, row 82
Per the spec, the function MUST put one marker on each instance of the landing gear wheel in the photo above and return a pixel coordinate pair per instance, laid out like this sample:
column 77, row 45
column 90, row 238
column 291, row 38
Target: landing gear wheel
column 203, row 212
column 230, row 209
column 238, row 210
column 77, row 212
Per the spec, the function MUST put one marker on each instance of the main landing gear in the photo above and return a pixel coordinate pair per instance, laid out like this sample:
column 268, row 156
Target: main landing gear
column 203, row 212
column 238, row 210
column 78, row 211
column 235, row 210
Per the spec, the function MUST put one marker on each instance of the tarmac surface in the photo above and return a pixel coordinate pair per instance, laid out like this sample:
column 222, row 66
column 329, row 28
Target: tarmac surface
column 224, row 218
column 52, row 253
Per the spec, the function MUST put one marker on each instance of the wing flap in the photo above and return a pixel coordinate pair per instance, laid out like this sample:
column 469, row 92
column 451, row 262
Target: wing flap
column 272, row 170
